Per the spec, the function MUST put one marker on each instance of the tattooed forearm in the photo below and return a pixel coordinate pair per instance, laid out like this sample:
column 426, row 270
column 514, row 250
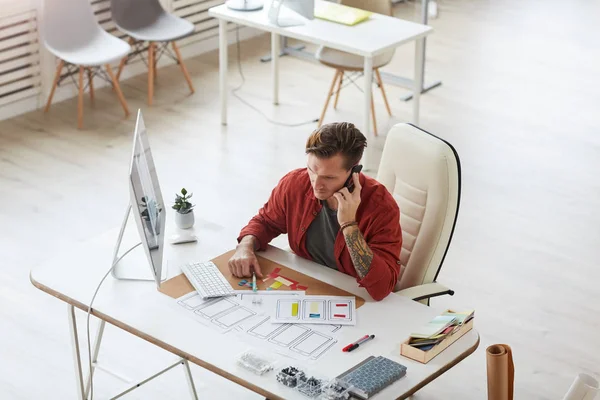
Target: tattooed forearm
column 359, row 251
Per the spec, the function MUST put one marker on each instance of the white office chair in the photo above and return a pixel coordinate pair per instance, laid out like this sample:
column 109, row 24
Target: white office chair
column 422, row 172
column 70, row 32
column 347, row 63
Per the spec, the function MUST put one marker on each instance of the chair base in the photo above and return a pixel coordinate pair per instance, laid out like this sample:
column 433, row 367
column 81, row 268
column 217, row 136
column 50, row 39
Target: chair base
column 155, row 51
column 91, row 73
column 337, row 84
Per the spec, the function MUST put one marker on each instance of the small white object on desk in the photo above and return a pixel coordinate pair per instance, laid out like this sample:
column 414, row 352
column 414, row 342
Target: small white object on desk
column 184, row 237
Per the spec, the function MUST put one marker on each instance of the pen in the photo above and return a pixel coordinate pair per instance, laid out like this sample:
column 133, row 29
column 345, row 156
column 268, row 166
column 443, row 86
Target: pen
column 358, row 341
column 253, row 282
column 355, row 346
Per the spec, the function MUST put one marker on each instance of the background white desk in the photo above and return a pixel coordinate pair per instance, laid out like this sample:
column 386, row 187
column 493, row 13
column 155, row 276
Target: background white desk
column 367, row 39
column 139, row 308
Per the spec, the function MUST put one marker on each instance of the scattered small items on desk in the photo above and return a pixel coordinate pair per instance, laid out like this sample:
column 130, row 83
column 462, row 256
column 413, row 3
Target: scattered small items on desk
column 254, row 362
column 289, row 376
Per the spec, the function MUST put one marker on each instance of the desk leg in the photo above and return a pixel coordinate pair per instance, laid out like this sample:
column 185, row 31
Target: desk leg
column 97, row 343
column 223, row 63
column 76, row 354
column 418, row 78
column 275, row 41
column 367, row 93
column 190, row 380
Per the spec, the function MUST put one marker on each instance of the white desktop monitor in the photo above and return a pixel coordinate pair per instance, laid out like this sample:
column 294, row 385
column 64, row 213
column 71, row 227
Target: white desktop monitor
column 288, row 13
column 148, row 208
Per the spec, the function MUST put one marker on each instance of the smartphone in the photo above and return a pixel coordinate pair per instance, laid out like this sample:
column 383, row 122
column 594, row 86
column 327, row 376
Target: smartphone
column 350, row 182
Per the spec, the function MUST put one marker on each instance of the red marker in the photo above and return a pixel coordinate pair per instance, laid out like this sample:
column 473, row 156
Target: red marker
column 355, row 343
column 355, row 346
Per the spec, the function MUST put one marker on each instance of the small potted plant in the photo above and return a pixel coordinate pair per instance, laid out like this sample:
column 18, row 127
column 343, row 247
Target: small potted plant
column 184, row 217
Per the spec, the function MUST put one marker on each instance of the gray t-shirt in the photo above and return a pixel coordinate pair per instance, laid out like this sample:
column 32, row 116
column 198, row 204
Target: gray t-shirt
column 320, row 237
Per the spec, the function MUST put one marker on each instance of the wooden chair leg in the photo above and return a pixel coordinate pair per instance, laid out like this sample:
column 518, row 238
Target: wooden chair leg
column 335, row 78
column 183, row 68
column 117, row 89
column 80, row 100
column 91, row 83
column 385, row 100
column 339, row 87
column 56, row 78
column 150, row 72
column 123, row 61
column 373, row 114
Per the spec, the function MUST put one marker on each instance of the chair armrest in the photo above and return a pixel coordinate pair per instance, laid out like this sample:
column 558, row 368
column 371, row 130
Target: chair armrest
column 425, row 291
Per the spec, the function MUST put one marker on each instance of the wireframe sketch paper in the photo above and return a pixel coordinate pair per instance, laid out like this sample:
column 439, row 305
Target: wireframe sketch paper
column 315, row 310
column 251, row 323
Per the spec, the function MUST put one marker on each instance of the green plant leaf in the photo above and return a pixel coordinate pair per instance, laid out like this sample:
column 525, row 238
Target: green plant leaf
column 183, row 191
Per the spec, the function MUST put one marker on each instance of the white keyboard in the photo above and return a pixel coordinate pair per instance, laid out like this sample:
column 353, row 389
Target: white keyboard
column 208, row 281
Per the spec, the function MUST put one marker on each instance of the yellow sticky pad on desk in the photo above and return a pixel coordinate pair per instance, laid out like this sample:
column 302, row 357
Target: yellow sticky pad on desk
column 294, row 309
column 276, row 285
column 284, row 281
column 314, row 307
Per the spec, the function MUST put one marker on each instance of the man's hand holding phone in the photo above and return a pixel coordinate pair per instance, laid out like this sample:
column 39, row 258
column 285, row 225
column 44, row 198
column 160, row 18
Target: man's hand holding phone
column 244, row 261
column 348, row 201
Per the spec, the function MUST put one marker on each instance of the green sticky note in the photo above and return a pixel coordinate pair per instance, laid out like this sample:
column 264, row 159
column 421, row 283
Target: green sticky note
column 276, row 285
column 294, row 309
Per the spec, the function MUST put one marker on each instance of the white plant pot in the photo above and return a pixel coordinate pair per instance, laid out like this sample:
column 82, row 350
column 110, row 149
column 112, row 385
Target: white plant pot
column 184, row 221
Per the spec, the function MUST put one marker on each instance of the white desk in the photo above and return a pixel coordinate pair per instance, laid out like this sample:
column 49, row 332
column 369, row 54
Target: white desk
column 140, row 309
column 367, row 39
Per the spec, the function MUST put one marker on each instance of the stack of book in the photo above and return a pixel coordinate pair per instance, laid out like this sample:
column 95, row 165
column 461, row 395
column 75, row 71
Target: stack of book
column 439, row 328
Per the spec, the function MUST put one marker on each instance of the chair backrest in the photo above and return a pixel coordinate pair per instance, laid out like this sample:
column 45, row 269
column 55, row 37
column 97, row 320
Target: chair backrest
column 130, row 15
column 422, row 172
column 377, row 6
column 68, row 24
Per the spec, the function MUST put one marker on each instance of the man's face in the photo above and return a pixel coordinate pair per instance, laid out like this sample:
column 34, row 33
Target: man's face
column 327, row 175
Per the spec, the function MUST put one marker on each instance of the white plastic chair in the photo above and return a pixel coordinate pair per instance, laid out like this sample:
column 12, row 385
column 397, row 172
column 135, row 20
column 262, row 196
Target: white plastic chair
column 70, row 31
column 345, row 63
column 147, row 21
column 423, row 174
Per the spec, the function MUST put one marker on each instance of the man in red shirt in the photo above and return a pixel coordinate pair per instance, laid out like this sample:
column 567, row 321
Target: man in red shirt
column 356, row 232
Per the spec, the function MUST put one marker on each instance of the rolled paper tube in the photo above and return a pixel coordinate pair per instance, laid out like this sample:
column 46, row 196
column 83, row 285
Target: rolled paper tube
column 584, row 387
column 500, row 372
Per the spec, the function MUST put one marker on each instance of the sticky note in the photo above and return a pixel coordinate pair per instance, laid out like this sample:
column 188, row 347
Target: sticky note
column 276, row 285
column 269, row 288
column 284, row 281
column 294, row 309
column 314, row 315
column 300, row 287
column 314, row 307
column 339, row 315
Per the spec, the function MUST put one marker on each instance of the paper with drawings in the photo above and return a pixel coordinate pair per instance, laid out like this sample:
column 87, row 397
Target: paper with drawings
column 241, row 316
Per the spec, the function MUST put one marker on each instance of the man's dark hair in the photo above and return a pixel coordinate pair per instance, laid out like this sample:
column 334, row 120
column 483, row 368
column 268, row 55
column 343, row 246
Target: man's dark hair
column 337, row 138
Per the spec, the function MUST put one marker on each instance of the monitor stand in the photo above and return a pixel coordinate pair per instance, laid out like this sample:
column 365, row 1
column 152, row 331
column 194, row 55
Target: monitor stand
column 133, row 265
column 244, row 5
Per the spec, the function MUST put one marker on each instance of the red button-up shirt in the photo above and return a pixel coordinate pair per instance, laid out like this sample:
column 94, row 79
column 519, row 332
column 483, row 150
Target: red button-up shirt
column 292, row 207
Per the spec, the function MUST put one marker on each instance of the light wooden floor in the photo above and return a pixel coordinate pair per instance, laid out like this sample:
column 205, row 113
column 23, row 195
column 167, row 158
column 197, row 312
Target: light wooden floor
column 519, row 101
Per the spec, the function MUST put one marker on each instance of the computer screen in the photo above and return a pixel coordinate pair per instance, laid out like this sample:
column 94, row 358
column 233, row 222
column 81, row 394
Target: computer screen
column 146, row 198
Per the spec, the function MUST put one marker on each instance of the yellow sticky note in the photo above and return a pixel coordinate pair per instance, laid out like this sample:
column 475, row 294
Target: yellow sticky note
column 276, row 285
column 314, row 307
column 294, row 309
column 284, row 281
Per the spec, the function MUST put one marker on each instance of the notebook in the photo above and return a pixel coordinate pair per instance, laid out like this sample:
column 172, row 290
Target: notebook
column 372, row 375
column 340, row 13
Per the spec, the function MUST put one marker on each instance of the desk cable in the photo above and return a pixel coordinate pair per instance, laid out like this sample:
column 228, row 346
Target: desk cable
column 233, row 91
column 89, row 346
